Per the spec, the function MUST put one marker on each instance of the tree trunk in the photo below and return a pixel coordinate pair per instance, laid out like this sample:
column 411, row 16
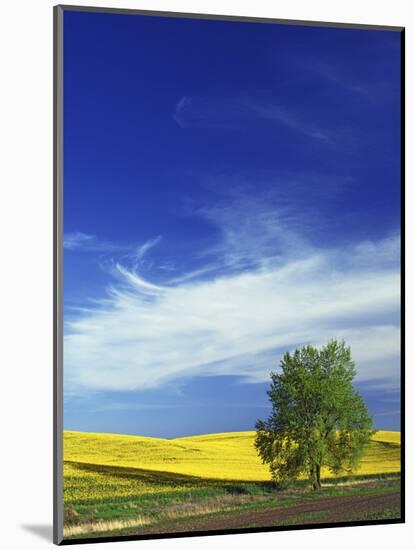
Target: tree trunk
column 316, row 476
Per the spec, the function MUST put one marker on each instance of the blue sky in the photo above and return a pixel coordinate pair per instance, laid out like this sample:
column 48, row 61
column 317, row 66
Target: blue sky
column 231, row 191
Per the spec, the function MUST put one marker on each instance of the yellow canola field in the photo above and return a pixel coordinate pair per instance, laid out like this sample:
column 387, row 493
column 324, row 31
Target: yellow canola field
column 226, row 456
column 102, row 484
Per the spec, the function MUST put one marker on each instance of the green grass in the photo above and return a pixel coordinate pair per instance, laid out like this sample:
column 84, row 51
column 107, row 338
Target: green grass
column 303, row 519
column 224, row 498
column 393, row 512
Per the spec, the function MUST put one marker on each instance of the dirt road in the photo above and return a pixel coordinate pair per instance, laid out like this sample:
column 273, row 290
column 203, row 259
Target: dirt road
column 321, row 510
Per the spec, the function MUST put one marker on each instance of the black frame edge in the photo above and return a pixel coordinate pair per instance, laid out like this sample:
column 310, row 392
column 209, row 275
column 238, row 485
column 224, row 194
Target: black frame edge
column 220, row 17
column 403, row 282
column 57, row 275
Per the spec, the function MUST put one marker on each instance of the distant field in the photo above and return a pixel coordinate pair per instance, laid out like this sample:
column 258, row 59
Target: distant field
column 225, row 456
column 130, row 478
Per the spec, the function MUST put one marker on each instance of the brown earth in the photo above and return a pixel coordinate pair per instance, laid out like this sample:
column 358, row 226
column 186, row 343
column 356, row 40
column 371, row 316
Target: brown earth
column 321, row 510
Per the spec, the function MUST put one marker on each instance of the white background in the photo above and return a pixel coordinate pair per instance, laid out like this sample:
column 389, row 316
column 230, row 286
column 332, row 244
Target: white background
column 26, row 269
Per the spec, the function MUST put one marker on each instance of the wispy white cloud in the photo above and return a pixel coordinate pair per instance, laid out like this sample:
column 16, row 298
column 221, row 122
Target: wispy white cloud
column 210, row 112
column 144, row 248
column 289, row 118
column 334, row 75
column 180, row 112
column 84, row 242
column 78, row 240
column 256, row 229
column 135, row 281
column 268, row 290
column 128, row 406
column 342, row 77
column 228, row 113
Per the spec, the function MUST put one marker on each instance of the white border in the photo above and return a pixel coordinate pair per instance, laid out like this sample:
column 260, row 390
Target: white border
column 26, row 267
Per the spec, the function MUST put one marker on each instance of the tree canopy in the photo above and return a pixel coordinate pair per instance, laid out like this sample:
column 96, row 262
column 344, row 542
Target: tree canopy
column 318, row 419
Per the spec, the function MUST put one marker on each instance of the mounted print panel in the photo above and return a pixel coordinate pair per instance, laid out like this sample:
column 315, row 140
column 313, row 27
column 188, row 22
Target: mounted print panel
column 228, row 275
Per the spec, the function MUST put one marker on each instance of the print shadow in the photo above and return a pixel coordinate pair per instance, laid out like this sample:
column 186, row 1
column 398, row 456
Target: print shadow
column 44, row 532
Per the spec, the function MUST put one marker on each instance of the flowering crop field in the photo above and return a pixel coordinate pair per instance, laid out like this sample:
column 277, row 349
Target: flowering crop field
column 109, row 466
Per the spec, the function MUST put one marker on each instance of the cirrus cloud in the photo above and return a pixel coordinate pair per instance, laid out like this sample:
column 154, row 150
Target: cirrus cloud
column 238, row 315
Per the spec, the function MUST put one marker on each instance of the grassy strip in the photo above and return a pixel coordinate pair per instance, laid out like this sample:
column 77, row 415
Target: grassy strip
column 163, row 511
column 393, row 512
column 153, row 504
column 324, row 517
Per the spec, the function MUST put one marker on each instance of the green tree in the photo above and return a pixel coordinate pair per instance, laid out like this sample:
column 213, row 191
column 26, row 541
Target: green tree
column 317, row 420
